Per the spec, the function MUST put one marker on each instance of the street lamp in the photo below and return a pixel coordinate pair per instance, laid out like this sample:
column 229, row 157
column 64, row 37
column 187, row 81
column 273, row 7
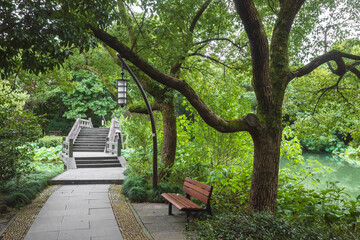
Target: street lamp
column 121, row 83
column 122, row 102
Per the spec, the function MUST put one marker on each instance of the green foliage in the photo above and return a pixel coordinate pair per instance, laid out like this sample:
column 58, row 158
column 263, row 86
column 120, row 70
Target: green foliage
column 17, row 127
column 89, row 99
column 231, row 185
column 43, row 35
column 349, row 154
column 137, row 194
column 329, row 205
column 138, row 189
column 325, row 118
column 132, row 181
column 239, row 225
column 49, row 141
column 19, row 192
column 51, row 154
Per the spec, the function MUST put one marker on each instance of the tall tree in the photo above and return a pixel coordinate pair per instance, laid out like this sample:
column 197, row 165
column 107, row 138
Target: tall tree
column 271, row 71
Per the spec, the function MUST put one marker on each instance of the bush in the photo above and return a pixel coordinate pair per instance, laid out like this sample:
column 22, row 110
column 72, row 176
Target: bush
column 132, row 181
column 138, row 189
column 19, row 192
column 48, row 142
column 137, row 194
column 259, row 226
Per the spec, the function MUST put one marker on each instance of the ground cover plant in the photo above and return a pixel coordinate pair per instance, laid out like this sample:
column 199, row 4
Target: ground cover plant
column 42, row 161
column 19, row 192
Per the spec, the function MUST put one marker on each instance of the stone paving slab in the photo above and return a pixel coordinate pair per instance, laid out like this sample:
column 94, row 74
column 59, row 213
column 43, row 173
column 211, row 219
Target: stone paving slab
column 90, row 176
column 61, row 218
column 158, row 223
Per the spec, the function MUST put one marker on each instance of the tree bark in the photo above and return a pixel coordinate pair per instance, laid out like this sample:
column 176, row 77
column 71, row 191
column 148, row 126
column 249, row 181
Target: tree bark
column 168, row 149
column 264, row 182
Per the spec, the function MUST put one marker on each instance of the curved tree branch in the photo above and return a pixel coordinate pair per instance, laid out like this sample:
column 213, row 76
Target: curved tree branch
column 333, row 55
column 198, row 15
column 240, row 124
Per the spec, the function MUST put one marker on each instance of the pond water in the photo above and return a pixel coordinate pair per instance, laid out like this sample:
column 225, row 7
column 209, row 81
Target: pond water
column 347, row 176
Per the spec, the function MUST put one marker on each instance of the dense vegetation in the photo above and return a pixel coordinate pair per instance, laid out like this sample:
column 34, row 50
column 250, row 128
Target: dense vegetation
column 218, row 67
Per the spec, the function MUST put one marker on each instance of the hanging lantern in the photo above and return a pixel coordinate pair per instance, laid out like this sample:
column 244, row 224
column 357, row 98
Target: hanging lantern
column 122, row 90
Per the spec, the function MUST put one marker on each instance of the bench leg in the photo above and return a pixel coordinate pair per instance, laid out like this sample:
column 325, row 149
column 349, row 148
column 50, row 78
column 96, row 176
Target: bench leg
column 209, row 210
column 170, row 208
column 187, row 216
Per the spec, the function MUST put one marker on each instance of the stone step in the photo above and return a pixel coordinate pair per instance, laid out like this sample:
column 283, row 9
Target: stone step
column 89, row 144
column 89, row 140
column 101, row 148
column 92, row 136
column 89, row 150
column 97, row 158
column 95, row 129
column 96, row 161
column 98, row 165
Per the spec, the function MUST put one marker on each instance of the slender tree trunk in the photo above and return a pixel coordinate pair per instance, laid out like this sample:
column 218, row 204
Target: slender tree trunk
column 168, row 150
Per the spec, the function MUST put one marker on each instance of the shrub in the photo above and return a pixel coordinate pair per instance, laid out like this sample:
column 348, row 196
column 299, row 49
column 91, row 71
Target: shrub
column 259, row 226
column 19, row 192
column 137, row 194
column 132, row 181
column 138, row 189
column 48, row 142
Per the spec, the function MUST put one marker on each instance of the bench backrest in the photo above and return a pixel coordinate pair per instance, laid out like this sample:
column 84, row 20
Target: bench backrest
column 198, row 190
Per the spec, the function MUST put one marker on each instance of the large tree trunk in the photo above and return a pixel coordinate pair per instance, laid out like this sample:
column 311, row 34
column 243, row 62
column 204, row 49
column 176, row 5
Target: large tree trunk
column 264, row 183
column 168, row 149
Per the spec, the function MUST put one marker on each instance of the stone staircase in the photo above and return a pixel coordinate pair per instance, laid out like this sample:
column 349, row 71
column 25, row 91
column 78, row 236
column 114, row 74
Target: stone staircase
column 92, row 141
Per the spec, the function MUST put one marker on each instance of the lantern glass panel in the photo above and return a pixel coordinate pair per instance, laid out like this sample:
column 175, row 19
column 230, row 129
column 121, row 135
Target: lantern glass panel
column 121, row 91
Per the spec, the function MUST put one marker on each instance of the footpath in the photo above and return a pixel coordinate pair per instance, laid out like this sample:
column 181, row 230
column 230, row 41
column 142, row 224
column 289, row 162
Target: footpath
column 85, row 212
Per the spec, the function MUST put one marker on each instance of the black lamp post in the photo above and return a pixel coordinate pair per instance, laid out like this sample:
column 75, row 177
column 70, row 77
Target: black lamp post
column 122, row 102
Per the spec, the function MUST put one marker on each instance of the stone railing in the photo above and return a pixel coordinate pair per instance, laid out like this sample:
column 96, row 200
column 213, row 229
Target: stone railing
column 68, row 142
column 114, row 139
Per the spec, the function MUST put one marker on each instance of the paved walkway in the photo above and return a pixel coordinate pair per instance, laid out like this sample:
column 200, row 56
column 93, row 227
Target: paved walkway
column 90, row 176
column 76, row 212
column 161, row 226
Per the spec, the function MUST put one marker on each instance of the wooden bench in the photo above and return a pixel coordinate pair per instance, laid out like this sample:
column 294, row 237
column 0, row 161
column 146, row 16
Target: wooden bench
column 55, row 133
column 192, row 188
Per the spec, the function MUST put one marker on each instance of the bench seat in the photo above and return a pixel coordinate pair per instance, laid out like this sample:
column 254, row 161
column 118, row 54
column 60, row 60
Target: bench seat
column 181, row 202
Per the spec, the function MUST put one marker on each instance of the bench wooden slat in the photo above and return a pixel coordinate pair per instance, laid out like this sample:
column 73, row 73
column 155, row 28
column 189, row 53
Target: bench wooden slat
column 196, row 188
column 181, row 202
column 204, row 186
column 196, row 194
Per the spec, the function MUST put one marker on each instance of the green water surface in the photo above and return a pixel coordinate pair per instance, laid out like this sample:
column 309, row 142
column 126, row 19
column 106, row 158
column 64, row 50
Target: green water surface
column 345, row 175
